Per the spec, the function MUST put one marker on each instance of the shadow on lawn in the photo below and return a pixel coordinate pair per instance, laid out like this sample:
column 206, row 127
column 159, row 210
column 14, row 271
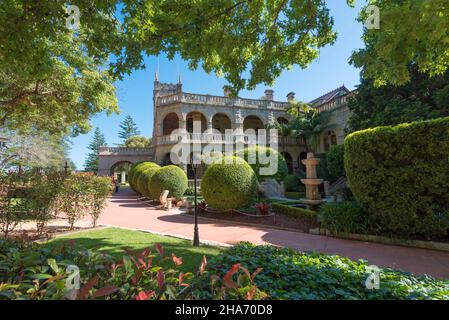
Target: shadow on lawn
column 192, row 256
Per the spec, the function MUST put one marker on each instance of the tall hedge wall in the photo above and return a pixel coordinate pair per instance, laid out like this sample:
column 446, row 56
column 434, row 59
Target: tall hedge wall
column 400, row 175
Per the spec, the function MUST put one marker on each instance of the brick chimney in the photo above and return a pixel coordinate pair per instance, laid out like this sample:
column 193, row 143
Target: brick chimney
column 291, row 96
column 269, row 94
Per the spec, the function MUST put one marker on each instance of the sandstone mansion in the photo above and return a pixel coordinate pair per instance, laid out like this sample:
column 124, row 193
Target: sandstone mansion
column 177, row 109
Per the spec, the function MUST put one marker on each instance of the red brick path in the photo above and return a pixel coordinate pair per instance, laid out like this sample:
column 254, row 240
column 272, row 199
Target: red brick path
column 124, row 210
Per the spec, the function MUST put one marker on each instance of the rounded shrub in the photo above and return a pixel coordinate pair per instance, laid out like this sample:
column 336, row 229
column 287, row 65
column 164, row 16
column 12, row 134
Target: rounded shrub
column 259, row 157
column 229, row 184
column 131, row 173
column 292, row 183
column 137, row 172
column 335, row 161
column 400, row 175
column 144, row 178
column 171, row 178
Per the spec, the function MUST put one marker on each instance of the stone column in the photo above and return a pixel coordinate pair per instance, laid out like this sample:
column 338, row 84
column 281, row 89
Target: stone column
column 123, row 179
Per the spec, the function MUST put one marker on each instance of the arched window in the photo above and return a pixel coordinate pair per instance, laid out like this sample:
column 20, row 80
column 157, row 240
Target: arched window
column 221, row 122
column 253, row 122
column 170, row 123
column 282, row 120
column 196, row 116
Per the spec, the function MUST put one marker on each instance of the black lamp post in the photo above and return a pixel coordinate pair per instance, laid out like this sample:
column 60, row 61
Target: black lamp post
column 196, row 236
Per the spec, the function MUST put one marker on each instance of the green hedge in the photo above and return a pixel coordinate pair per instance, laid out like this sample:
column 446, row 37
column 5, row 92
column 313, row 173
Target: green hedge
column 171, row 178
column 133, row 173
column 308, row 217
column 295, row 195
column 144, row 178
column 293, row 183
column 230, row 184
column 282, row 169
column 346, row 217
column 400, row 176
column 335, row 162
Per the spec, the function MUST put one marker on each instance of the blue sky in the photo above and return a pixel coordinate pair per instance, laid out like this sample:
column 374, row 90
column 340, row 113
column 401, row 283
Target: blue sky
column 135, row 92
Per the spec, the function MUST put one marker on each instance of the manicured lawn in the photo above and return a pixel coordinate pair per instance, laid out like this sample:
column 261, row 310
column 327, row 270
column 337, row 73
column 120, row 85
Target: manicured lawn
column 113, row 241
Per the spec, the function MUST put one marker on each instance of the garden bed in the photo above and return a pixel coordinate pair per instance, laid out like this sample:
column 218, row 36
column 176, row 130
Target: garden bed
column 282, row 216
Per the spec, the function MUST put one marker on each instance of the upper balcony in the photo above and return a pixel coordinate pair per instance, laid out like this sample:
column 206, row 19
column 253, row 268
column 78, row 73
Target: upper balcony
column 201, row 99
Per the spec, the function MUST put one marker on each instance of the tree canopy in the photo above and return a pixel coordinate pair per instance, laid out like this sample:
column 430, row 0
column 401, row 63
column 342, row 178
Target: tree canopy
column 128, row 129
column 410, row 31
column 138, row 142
column 55, row 78
column 98, row 140
column 422, row 98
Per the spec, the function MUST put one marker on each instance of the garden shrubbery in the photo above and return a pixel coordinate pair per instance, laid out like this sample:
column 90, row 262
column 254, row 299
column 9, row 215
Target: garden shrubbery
column 228, row 184
column 144, row 175
column 289, row 274
column 135, row 171
column 307, row 217
column 245, row 271
column 171, row 178
column 400, row 176
column 292, row 183
column 43, row 196
column 258, row 152
column 346, row 217
column 335, row 161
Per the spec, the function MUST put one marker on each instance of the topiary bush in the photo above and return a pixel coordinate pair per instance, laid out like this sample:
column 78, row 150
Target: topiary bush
column 229, row 184
column 335, row 161
column 138, row 170
column 132, row 172
column 292, row 183
column 282, row 169
column 400, row 175
column 144, row 178
column 171, row 178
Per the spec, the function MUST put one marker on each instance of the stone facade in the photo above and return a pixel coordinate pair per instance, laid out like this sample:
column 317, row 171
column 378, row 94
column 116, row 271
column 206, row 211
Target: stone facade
column 175, row 109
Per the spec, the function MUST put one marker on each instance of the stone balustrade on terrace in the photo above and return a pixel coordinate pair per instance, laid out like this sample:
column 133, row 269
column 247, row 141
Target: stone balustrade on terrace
column 115, row 151
column 190, row 98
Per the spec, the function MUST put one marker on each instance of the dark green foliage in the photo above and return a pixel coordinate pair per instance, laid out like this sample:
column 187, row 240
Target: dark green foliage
column 231, row 184
column 400, row 176
column 321, row 169
column 144, row 178
column 346, row 217
column 292, row 183
column 281, row 171
column 171, row 178
column 135, row 172
column 423, row 98
column 92, row 158
column 128, row 129
column 335, row 162
column 295, row 195
column 289, row 274
column 307, row 217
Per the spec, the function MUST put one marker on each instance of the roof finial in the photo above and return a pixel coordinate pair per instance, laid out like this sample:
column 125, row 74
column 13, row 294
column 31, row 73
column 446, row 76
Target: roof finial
column 179, row 79
column 156, row 77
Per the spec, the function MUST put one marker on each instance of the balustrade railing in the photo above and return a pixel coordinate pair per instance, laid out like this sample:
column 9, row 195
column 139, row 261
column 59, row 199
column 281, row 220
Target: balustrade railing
column 218, row 100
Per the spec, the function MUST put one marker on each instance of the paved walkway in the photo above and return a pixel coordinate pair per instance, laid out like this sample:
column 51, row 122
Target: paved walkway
column 124, row 210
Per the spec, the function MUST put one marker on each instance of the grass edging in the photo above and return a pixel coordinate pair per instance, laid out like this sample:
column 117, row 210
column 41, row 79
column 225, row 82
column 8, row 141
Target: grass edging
column 432, row 245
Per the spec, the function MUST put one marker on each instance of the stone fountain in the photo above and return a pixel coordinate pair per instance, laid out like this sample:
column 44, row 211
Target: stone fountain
column 311, row 182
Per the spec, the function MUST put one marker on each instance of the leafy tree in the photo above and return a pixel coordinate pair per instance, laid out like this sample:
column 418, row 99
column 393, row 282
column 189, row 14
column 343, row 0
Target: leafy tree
column 410, row 31
column 308, row 124
column 138, row 142
column 422, row 98
column 54, row 78
column 92, row 158
column 128, row 129
column 34, row 150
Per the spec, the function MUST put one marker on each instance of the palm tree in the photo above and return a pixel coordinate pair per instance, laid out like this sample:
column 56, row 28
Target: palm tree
column 308, row 123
